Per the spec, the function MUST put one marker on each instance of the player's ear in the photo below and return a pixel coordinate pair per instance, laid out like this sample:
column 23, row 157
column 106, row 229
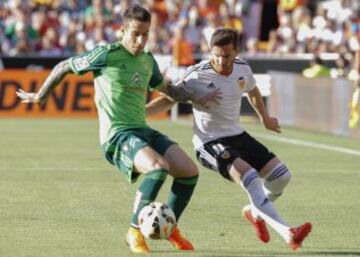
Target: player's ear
column 122, row 28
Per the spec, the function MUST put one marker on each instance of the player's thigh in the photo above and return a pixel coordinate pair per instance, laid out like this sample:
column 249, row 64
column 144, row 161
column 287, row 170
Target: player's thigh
column 147, row 159
column 180, row 163
column 238, row 168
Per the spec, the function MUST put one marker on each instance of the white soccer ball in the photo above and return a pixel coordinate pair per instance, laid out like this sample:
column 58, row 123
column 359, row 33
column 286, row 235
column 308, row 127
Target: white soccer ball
column 156, row 221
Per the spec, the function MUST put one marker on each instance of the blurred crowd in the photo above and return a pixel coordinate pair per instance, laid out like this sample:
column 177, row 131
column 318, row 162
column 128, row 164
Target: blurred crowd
column 181, row 28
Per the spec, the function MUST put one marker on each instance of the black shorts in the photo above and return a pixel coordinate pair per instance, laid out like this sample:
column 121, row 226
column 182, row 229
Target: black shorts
column 218, row 155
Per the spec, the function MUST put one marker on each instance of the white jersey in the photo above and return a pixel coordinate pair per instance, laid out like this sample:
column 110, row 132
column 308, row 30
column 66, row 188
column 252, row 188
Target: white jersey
column 219, row 120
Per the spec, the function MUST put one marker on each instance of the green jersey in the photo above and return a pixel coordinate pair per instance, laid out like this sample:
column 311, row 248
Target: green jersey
column 121, row 82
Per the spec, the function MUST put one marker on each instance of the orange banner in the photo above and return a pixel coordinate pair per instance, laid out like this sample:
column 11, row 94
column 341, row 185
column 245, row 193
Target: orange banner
column 74, row 97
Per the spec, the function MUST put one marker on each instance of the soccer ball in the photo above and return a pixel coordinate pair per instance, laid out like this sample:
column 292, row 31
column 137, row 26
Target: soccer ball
column 156, row 221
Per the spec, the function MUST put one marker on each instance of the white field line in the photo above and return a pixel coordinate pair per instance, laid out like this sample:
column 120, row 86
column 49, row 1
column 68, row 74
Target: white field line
column 299, row 142
column 309, row 144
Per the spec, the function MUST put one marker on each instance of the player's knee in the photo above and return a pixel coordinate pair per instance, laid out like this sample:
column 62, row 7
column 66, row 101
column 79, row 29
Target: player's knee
column 276, row 182
column 160, row 164
column 192, row 169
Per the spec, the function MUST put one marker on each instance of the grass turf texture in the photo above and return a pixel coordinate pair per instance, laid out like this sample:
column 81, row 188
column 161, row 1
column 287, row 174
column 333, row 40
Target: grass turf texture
column 59, row 197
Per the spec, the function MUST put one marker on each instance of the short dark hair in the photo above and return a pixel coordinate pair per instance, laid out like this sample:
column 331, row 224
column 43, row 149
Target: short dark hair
column 136, row 12
column 222, row 36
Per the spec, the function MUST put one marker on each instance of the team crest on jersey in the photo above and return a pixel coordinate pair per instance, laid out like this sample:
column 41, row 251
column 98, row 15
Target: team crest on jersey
column 241, row 83
column 136, row 79
column 81, row 63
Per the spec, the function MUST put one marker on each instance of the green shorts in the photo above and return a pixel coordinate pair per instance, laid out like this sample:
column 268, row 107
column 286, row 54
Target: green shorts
column 121, row 149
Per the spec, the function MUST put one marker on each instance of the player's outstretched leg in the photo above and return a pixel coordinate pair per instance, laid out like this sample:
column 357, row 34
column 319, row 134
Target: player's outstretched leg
column 185, row 174
column 258, row 224
column 181, row 192
column 293, row 236
column 147, row 193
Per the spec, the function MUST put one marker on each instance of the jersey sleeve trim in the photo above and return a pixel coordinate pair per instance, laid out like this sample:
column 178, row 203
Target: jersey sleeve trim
column 72, row 66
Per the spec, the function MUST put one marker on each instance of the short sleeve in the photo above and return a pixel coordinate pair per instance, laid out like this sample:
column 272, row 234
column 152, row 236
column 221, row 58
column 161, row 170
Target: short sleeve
column 189, row 80
column 156, row 77
column 250, row 82
column 89, row 61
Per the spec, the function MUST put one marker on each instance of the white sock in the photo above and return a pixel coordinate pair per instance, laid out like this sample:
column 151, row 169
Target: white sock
column 262, row 206
column 275, row 181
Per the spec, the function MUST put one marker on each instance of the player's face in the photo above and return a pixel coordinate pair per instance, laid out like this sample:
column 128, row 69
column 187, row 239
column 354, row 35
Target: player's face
column 222, row 58
column 136, row 34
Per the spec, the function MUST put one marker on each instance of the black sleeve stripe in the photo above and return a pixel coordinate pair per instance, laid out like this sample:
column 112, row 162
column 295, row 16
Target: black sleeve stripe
column 191, row 70
column 241, row 61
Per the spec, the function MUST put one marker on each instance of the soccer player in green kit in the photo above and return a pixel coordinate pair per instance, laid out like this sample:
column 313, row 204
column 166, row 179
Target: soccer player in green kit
column 123, row 72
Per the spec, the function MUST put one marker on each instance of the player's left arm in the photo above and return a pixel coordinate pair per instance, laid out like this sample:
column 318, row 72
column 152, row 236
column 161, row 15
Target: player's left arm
column 181, row 94
column 257, row 102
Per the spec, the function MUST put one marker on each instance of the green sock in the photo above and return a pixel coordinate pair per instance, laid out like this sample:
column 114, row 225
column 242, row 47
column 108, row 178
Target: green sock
column 181, row 192
column 148, row 191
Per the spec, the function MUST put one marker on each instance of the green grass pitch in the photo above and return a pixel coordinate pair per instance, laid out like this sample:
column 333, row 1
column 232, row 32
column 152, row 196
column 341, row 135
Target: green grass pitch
column 60, row 198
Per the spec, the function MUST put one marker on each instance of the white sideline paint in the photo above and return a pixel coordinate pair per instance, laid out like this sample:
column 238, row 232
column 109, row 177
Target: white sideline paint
column 297, row 142
column 309, row 144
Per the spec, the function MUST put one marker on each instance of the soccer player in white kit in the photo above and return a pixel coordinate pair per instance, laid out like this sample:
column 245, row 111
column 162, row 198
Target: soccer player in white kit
column 222, row 145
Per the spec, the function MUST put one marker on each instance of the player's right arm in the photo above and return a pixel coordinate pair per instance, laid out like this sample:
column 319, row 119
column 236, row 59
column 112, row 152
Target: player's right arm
column 89, row 61
column 56, row 76
column 160, row 104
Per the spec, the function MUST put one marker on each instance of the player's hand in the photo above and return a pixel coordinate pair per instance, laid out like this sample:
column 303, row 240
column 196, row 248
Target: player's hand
column 271, row 123
column 213, row 96
column 29, row 97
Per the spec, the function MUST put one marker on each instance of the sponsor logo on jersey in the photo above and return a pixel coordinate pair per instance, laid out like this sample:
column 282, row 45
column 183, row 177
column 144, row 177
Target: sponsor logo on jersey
column 123, row 67
column 81, row 63
column 146, row 66
column 211, row 85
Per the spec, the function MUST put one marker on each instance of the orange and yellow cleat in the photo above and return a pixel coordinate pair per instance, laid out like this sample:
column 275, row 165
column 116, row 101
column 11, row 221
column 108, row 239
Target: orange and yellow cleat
column 179, row 241
column 136, row 241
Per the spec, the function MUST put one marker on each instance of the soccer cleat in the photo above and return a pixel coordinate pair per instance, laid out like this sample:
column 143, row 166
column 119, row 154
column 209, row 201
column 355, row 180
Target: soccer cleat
column 298, row 235
column 259, row 225
column 135, row 240
column 179, row 241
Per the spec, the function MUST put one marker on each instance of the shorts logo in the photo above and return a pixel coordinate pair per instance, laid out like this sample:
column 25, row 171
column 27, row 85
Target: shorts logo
column 225, row 155
column 81, row 63
column 133, row 142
